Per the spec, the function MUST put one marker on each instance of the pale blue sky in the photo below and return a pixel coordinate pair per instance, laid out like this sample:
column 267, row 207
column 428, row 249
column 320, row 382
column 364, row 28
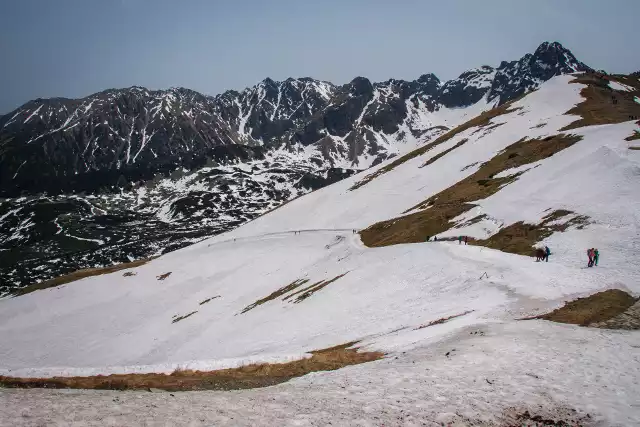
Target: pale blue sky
column 73, row 48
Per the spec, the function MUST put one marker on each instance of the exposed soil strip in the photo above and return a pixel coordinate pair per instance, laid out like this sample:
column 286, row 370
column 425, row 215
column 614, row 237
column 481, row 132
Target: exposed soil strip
column 276, row 294
column 305, row 293
column 442, row 320
column 444, row 153
column 179, row 318
column 208, row 299
column 245, row 377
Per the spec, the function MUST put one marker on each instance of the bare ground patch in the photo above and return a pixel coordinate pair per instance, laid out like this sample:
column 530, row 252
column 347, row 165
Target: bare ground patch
column 603, row 105
column 519, row 238
column 540, row 416
column 444, row 153
column 163, row 276
column 81, row 274
column 305, row 293
column 292, row 290
column 245, row 377
column 599, row 307
column 208, row 299
column 179, row 318
column 480, row 121
column 293, row 285
column 442, row 320
column 435, row 214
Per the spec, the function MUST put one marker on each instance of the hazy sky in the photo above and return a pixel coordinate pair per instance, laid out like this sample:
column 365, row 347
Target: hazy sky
column 73, row 48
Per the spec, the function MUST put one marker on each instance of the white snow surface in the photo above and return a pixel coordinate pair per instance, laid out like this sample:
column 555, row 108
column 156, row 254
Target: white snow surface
column 620, row 86
column 469, row 370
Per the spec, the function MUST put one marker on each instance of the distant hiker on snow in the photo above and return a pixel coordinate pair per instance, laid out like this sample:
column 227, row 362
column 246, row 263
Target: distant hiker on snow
column 427, row 238
column 466, row 239
column 593, row 255
column 547, row 252
column 435, row 238
column 459, row 240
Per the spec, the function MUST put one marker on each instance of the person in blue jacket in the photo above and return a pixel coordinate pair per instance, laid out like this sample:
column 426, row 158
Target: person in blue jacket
column 547, row 252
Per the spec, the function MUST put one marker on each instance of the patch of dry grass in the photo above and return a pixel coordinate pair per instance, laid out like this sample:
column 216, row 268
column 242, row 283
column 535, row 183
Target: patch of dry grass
column 598, row 307
column 290, row 287
column 245, row 377
column 519, row 238
column 480, row 121
column 435, row 214
column 444, row 153
column 80, row 274
column 634, row 148
column 208, row 299
column 305, row 293
column 442, row 320
column 163, row 276
column 603, row 105
column 179, row 318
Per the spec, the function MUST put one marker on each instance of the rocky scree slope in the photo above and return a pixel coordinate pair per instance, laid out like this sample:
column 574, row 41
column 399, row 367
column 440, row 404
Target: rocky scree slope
column 129, row 173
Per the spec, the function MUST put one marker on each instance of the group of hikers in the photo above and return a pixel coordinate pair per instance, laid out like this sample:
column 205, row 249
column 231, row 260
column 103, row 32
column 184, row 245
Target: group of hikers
column 593, row 255
column 542, row 254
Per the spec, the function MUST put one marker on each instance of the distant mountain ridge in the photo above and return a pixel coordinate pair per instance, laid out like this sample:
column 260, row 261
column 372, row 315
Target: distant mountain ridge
column 59, row 145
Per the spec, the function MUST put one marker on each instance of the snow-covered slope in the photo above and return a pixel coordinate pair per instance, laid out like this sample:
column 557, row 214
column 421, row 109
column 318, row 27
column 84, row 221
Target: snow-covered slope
column 383, row 296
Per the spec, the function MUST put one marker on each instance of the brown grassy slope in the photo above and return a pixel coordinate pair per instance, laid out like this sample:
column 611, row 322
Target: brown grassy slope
column 77, row 275
column 599, row 108
column 283, row 290
column 595, row 308
column 250, row 376
column 519, row 238
column 482, row 120
column 436, row 213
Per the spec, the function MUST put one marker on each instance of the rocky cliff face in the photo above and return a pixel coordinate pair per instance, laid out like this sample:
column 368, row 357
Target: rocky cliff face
column 126, row 173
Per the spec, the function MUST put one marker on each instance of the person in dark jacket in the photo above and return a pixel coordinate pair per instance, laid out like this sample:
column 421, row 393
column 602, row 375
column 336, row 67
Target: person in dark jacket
column 459, row 240
column 590, row 255
column 596, row 256
column 466, row 239
column 547, row 252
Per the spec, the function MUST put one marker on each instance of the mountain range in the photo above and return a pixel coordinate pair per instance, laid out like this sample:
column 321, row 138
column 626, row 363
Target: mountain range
column 125, row 174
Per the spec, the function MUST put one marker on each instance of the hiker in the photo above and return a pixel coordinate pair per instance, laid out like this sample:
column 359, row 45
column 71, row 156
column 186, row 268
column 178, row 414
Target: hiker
column 466, row 239
column 459, row 240
column 427, row 238
column 596, row 255
column 547, row 252
column 590, row 255
column 435, row 238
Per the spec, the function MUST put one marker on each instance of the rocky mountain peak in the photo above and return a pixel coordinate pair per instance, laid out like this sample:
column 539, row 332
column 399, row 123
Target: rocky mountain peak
column 360, row 86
